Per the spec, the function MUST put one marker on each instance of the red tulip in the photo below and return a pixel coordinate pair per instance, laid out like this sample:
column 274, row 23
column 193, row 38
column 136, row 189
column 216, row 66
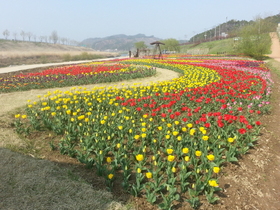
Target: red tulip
column 258, row 123
column 242, row 130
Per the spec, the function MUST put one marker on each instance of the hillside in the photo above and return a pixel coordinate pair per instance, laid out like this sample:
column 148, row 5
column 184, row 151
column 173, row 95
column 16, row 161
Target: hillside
column 231, row 29
column 23, row 52
column 118, row 42
column 224, row 46
column 14, row 46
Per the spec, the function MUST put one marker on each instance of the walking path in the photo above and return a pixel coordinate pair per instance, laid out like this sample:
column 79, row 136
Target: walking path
column 275, row 47
column 33, row 66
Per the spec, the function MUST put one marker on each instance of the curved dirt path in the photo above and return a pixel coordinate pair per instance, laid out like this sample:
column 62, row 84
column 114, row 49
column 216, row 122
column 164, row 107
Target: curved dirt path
column 35, row 66
column 10, row 101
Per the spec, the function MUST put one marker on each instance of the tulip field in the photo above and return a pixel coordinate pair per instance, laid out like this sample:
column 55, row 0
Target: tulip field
column 73, row 75
column 168, row 141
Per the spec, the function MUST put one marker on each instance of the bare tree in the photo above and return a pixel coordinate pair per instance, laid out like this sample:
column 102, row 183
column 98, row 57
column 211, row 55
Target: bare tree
column 68, row 41
column 23, row 34
column 34, row 37
column 50, row 39
column 41, row 38
column 15, row 35
column 63, row 40
column 73, row 42
column 29, row 35
column 6, row 33
column 54, row 37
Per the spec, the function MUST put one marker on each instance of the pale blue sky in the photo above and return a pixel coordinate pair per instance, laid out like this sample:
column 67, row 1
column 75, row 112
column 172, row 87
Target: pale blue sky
column 81, row 19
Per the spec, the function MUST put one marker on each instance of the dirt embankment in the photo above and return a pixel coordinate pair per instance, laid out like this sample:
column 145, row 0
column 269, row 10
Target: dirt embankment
column 23, row 52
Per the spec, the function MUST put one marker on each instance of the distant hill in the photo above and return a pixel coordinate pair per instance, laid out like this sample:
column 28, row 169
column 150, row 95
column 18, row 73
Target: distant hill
column 230, row 29
column 118, row 42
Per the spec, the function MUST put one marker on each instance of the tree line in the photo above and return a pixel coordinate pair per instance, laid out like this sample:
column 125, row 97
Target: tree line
column 253, row 39
column 28, row 36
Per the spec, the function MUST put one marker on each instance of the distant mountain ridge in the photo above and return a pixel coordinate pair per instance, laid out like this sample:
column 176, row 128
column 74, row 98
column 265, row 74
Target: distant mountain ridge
column 119, row 42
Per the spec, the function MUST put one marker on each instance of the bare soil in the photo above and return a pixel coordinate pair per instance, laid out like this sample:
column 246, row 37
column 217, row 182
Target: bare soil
column 252, row 183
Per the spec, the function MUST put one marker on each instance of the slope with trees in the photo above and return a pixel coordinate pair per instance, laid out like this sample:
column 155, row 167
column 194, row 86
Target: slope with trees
column 254, row 39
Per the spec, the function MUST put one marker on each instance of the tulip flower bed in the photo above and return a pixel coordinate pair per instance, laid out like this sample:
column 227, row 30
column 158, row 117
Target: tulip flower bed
column 73, row 75
column 168, row 141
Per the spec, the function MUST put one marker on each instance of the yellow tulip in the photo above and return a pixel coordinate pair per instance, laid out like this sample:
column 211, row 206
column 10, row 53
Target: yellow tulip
column 201, row 129
column 192, row 131
column 169, row 151
column 205, row 138
column 230, row 140
column 170, row 158
column 110, row 176
column 108, row 160
column 213, row 183
column 175, row 133
column 189, row 125
column 187, row 158
column 149, row 175
column 185, row 150
column 81, row 117
column 216, row 169
column 184, row 129
column 198, row 153
column 139, row 157
column 211, row 157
